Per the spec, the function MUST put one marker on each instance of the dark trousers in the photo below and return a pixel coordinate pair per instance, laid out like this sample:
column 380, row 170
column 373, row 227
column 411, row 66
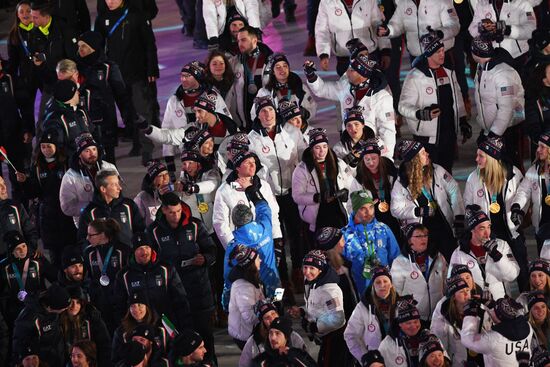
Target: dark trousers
column 191, row 11
column 202, row 324
column 392, row 73
column 342, row 64
column 290, row 222
column 520, row 253
column 462, row 46
column 143, row 102
column 312, row 10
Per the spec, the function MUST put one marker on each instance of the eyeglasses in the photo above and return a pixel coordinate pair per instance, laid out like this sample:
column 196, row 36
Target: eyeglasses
column 92, row 234
column 420, row 236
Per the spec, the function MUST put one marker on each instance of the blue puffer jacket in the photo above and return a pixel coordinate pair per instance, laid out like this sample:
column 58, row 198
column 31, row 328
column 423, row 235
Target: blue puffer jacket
column 258, row 235
column 356, row 248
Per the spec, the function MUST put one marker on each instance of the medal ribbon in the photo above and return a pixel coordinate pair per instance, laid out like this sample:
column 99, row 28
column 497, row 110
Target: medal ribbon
column 427, row 195
column 21, row 280
column 381, row 192
column 104, row 265
column 370, row 244
column 493, row 198
column 250, row 72
column 124, row 15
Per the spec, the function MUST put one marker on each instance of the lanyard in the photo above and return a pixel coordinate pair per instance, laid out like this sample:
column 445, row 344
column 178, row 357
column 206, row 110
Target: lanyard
column 250, row 72
column 21, row 280
column 493, row 198
column 370, row 244
column 24, row 44
column 427, row 194
column 104, row 265
column 124, row 15
column 381, row 192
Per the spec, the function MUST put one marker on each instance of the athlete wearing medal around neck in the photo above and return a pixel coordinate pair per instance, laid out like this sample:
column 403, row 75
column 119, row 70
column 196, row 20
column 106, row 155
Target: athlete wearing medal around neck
column 420, row 270
column 426, row 193
column 489, row 259
column 184, row 242
column 368, row 243
column 493, row 186
column 535, row 189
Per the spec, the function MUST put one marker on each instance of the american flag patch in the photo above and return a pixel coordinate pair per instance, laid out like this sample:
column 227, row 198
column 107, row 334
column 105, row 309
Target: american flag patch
column 530, row 15
column 390, row 115
column 451, row 11
column 332, row 303
column 507, row 91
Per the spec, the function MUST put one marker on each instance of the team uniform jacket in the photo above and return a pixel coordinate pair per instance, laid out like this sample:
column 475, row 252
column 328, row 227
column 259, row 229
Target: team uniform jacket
column 413, row 21
column 518, row 14
column 244, row 295
column 253, row 348
column 444, row 190
column 407, row 279
column 334, row 26
column 475, row 192
column 305, row 184
column 530, row 191
column 77, row 188
column 377, row 103
column 496, row 346
column 495, row 274
column 179, row 246
column 356, row 248
column 279, row 156
column 499, row 95
column 419, row 91
column 147, row 201
column 215, row 15
column 13, row 216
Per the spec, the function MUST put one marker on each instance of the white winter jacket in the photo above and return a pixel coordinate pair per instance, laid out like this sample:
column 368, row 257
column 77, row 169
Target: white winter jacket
column 497, row 350
column 420, row 91
column 408, row 279
column 499, row 97
column 394, row 353
column 227, row 198
column 518, row 14
column 148, row 206
column 475, row 192
column 334, row 27
column 214, row 13
column 77, row 190
column 279, row 156
column 305, row 184
column 413, row 21
column 252, row 349
column 445, row 191
column 362, row 331
column 241, row 318
column 530, row 191
column 496, row 273
column 307, row 103
column 378, row 111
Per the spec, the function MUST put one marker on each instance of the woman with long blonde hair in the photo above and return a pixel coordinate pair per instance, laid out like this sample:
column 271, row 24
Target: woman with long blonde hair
column 539, row 317
column 493, row 186
column 426, row 193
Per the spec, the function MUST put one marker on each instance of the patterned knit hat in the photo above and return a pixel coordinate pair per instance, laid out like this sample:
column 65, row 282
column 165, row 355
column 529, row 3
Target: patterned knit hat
column 430, row 43
column 407, row 149
column 379, row 271
column 243, row 256
column 544, row 138
column 84, row 141
column 492, row 145
column 315, row 258
column 370, row 146
column 328, row 237
column 264, row 306
column 241, row 156
column 409, row 229
column 196, row 69
column 195, row 137
column 207, row 101
column 238, row 142
column 354, row 113
column 154, row 168
column 191, row 155
column 539, row 265
column 278, row 57
column 406, row 310
column 482, row 47
column 507, row 309
column 474, row 216
column 458, row 269
column 262, row 102
column 363, row 65
column 454, row 284
column 428, row 346
column 535, row 297
column 360, row 198
column 317, row 136
column 288, row 109
column 355, row 46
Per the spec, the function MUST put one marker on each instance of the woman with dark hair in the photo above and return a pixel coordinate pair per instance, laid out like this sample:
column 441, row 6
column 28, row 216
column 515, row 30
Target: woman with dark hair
column 44, row 183
column 82, row 321
column 283, row 83
column 103, row 258
column 218, row 73
column 420, row 270
column 539, row 318
column 376, row 174
column 246, row 291
column 21, row 66
column 84, row 354
column 537, row 102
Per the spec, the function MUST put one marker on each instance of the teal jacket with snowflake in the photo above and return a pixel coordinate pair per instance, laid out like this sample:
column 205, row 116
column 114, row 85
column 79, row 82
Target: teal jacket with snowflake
column 382, row 244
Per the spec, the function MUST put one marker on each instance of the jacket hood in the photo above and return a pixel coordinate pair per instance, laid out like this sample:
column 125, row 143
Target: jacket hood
column 179, row 91
column 514, row 330
column 500, row 56
column 327, row 276
column 346, row 139
column 377, row 82
column 98, row 200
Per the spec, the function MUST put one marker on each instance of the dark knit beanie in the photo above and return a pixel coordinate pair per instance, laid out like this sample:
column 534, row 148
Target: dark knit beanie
column 328, row 237
column 64, row 90
column 134, row 353
column 430, row 43
column 154, row 168
column 92, row 39
column 49, row 136
column 492, row 145
column 409, row 229
column 372, row 356
column 138, row 297
column 458, row 269
column 262, row 102
column 243, row 256
column 315, row 258
column 363, row 65
column 544, row 138
column 482, row 47
column 379, row 271
column 186, row 342
column 406, row 310
column 84, row 141
column 474, row 216
column 507, row 309
column 428, row 346
column 354, row 113
column 145, row 331
column 454, row 284
column 207, row 101
column 196, row 69
column 407, row 149
column 288, row 110
column 284, row 325
column 317, row 136
column 535, row 297
column 71, row 255
column 539, row 265
column 370, row 147
column 57, row 297
column 12, row 239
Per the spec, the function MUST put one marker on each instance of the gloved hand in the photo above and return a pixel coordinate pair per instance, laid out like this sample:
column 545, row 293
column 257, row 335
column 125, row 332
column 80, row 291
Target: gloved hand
column 428, row 113
column 278, row 246
column 310, row 71
column 383, row 30
column 465, row 129
column 142, row 124
column 342, row 195
column 313, row 327
column 213, row 43
column 516, row 214
column 323, row 197
column 471, row 308
column 459, row 226
column 502, row 30
column 486, row 29
column 438, row 32
column 424, row 211
column 190, row 188
column 491, row 247
column 253, row 191
column 523, row 359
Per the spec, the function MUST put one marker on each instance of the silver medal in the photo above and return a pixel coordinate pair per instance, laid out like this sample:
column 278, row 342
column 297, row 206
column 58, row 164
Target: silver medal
column 104, row 280
column 252, row 89
column 21, row 295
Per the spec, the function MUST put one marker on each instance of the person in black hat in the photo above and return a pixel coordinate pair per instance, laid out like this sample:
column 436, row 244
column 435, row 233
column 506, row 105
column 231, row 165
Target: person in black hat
column 44, row 183
column 432, row 104
column 497, row 83
column 166, row 293
column 489, row 259
column 104, row 91
column 188, row 349
column 155, row 183
column 510, row 333
column 29, row 354
column 147, row 336
column 364, row 86
column 73, row 273
column 186, row 244
column 372, row 358
column 537, row 102
column 44, row 312
column 432, row 353
column 539, row 317
column 540, row 357
column 426, row 193
column 279, row 349
column 539, row 280
column 134, row 354
column 493, row 185
column 290, row 113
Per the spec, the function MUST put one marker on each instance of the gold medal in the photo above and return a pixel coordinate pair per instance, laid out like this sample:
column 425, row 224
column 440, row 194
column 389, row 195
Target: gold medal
column 383, row 207
column 547, row 200
column 203, row 207
column 433, row 205
column 381, row 7
column 458, row 1
column 494, row 207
